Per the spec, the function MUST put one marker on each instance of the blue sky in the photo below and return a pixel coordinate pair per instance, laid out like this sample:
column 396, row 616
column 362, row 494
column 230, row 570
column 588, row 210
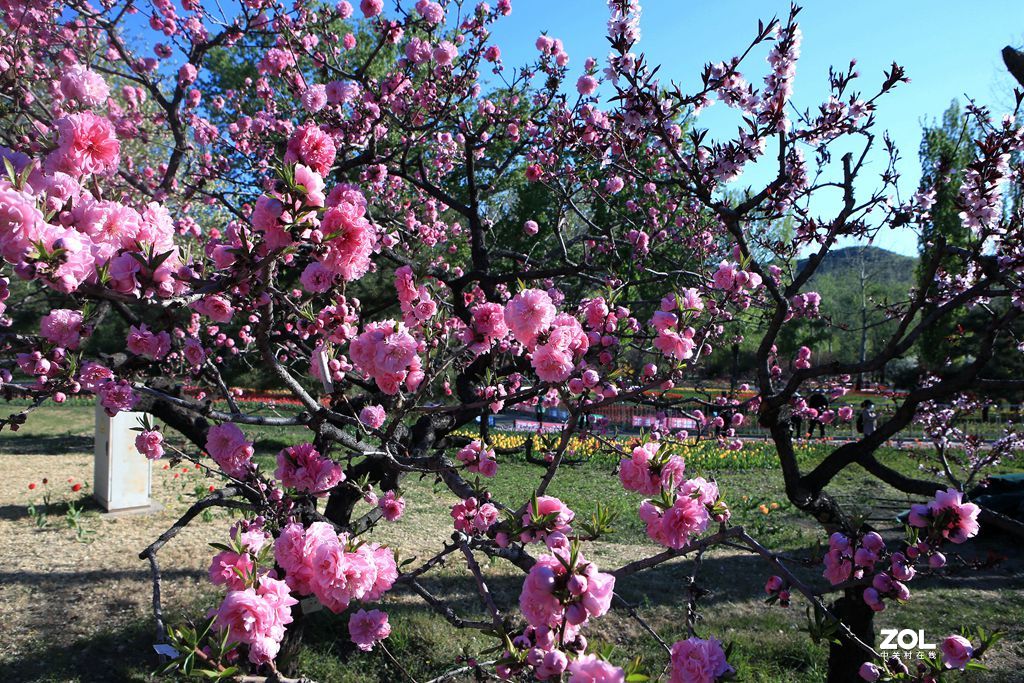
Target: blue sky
column 950, row 49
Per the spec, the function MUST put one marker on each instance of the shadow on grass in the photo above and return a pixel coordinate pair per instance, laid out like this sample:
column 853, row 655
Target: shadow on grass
column 124, row 654
column 122, row 651
column 427, row 645
column 12, row 444
column 53, row 513
column 43, row 579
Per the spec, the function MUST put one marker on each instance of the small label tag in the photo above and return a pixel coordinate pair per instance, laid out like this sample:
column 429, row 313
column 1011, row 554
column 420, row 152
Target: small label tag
column 320, row 358
column 166, row 650
column 310, row 605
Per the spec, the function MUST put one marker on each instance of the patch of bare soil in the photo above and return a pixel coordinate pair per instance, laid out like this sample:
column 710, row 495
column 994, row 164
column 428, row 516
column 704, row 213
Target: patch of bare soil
column 80, row 609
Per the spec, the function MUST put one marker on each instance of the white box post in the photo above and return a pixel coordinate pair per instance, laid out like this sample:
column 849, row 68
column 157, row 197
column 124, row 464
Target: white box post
column 122, row 476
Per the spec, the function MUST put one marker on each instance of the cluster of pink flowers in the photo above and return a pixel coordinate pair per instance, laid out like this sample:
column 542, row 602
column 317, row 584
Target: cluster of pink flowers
column 257, row 617
column 545, row 515
column 84, row 86
column 675, row 339
column 415, row 301
column 884, row 586
column 560, row 594
column 488, row 327
column 478, row 458
column 215, row 307
column 21, row 223
column 593, row 669
column 648, row 473
column 677, row 517
column 555, row 356
column 420, row 51
column 552, row 47
column 431, row 11
column 473, row 518
column 150, row 442
column 391, row 505
column 805, row 305
column 311, row 147
column 238, row 567
column 603, row 322
column 368, row 628
column 731, row 278
column 562, row 591
column 527, row 314
column 373, row 416
column 846, row 559
column 321, row 562
column 257, row 606
column 62, row 327
column 387, row 352
column 957, row 651
column 301, row 467
column 229, row 448
column 86, row 145
column 115, row 395
column 87, row 233
column 777, row 589
column 556, row 340
column 349, row 239
column 144, row 342
column 947, row 517
column 345, row 238
column 695, row 660
column 803, row 358
column 233, row 569
column 42, row 367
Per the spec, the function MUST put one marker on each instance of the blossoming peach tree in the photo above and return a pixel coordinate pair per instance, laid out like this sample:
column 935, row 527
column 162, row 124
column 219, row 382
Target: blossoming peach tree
column 370, row 208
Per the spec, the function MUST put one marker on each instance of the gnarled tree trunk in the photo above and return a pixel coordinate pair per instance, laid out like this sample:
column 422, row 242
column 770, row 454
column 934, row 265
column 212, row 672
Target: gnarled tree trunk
column 845, row 657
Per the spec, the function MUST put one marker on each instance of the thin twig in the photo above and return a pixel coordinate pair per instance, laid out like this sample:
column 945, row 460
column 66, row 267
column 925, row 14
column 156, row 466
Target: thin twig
column 396, row 662
column 643, row 624
column 485, row 593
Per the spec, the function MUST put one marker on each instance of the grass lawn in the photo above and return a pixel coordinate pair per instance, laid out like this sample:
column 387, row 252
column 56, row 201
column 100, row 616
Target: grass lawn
column 769, row 644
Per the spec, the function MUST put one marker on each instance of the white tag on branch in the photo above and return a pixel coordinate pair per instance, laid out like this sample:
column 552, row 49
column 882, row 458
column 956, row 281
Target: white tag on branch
column 320, row 358
column 166, row 650
column 310, row 605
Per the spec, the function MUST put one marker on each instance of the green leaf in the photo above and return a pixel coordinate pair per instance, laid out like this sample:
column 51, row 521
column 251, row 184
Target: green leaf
column 210, row 673
column 167, row 668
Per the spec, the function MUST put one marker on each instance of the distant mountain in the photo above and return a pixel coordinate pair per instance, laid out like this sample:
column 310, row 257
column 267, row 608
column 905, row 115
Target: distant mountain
column 881, row 265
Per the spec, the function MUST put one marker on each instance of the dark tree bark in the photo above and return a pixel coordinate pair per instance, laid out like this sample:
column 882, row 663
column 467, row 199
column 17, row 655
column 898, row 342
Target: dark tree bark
column 1014, row 60
column 845, row 657
column 190, row 425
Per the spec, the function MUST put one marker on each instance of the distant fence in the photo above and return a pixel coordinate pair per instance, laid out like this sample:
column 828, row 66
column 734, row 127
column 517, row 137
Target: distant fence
column 631, row 417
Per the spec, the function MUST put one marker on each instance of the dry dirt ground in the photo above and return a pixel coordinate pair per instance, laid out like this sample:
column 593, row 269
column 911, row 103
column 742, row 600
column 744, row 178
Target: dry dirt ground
column 76, row 608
